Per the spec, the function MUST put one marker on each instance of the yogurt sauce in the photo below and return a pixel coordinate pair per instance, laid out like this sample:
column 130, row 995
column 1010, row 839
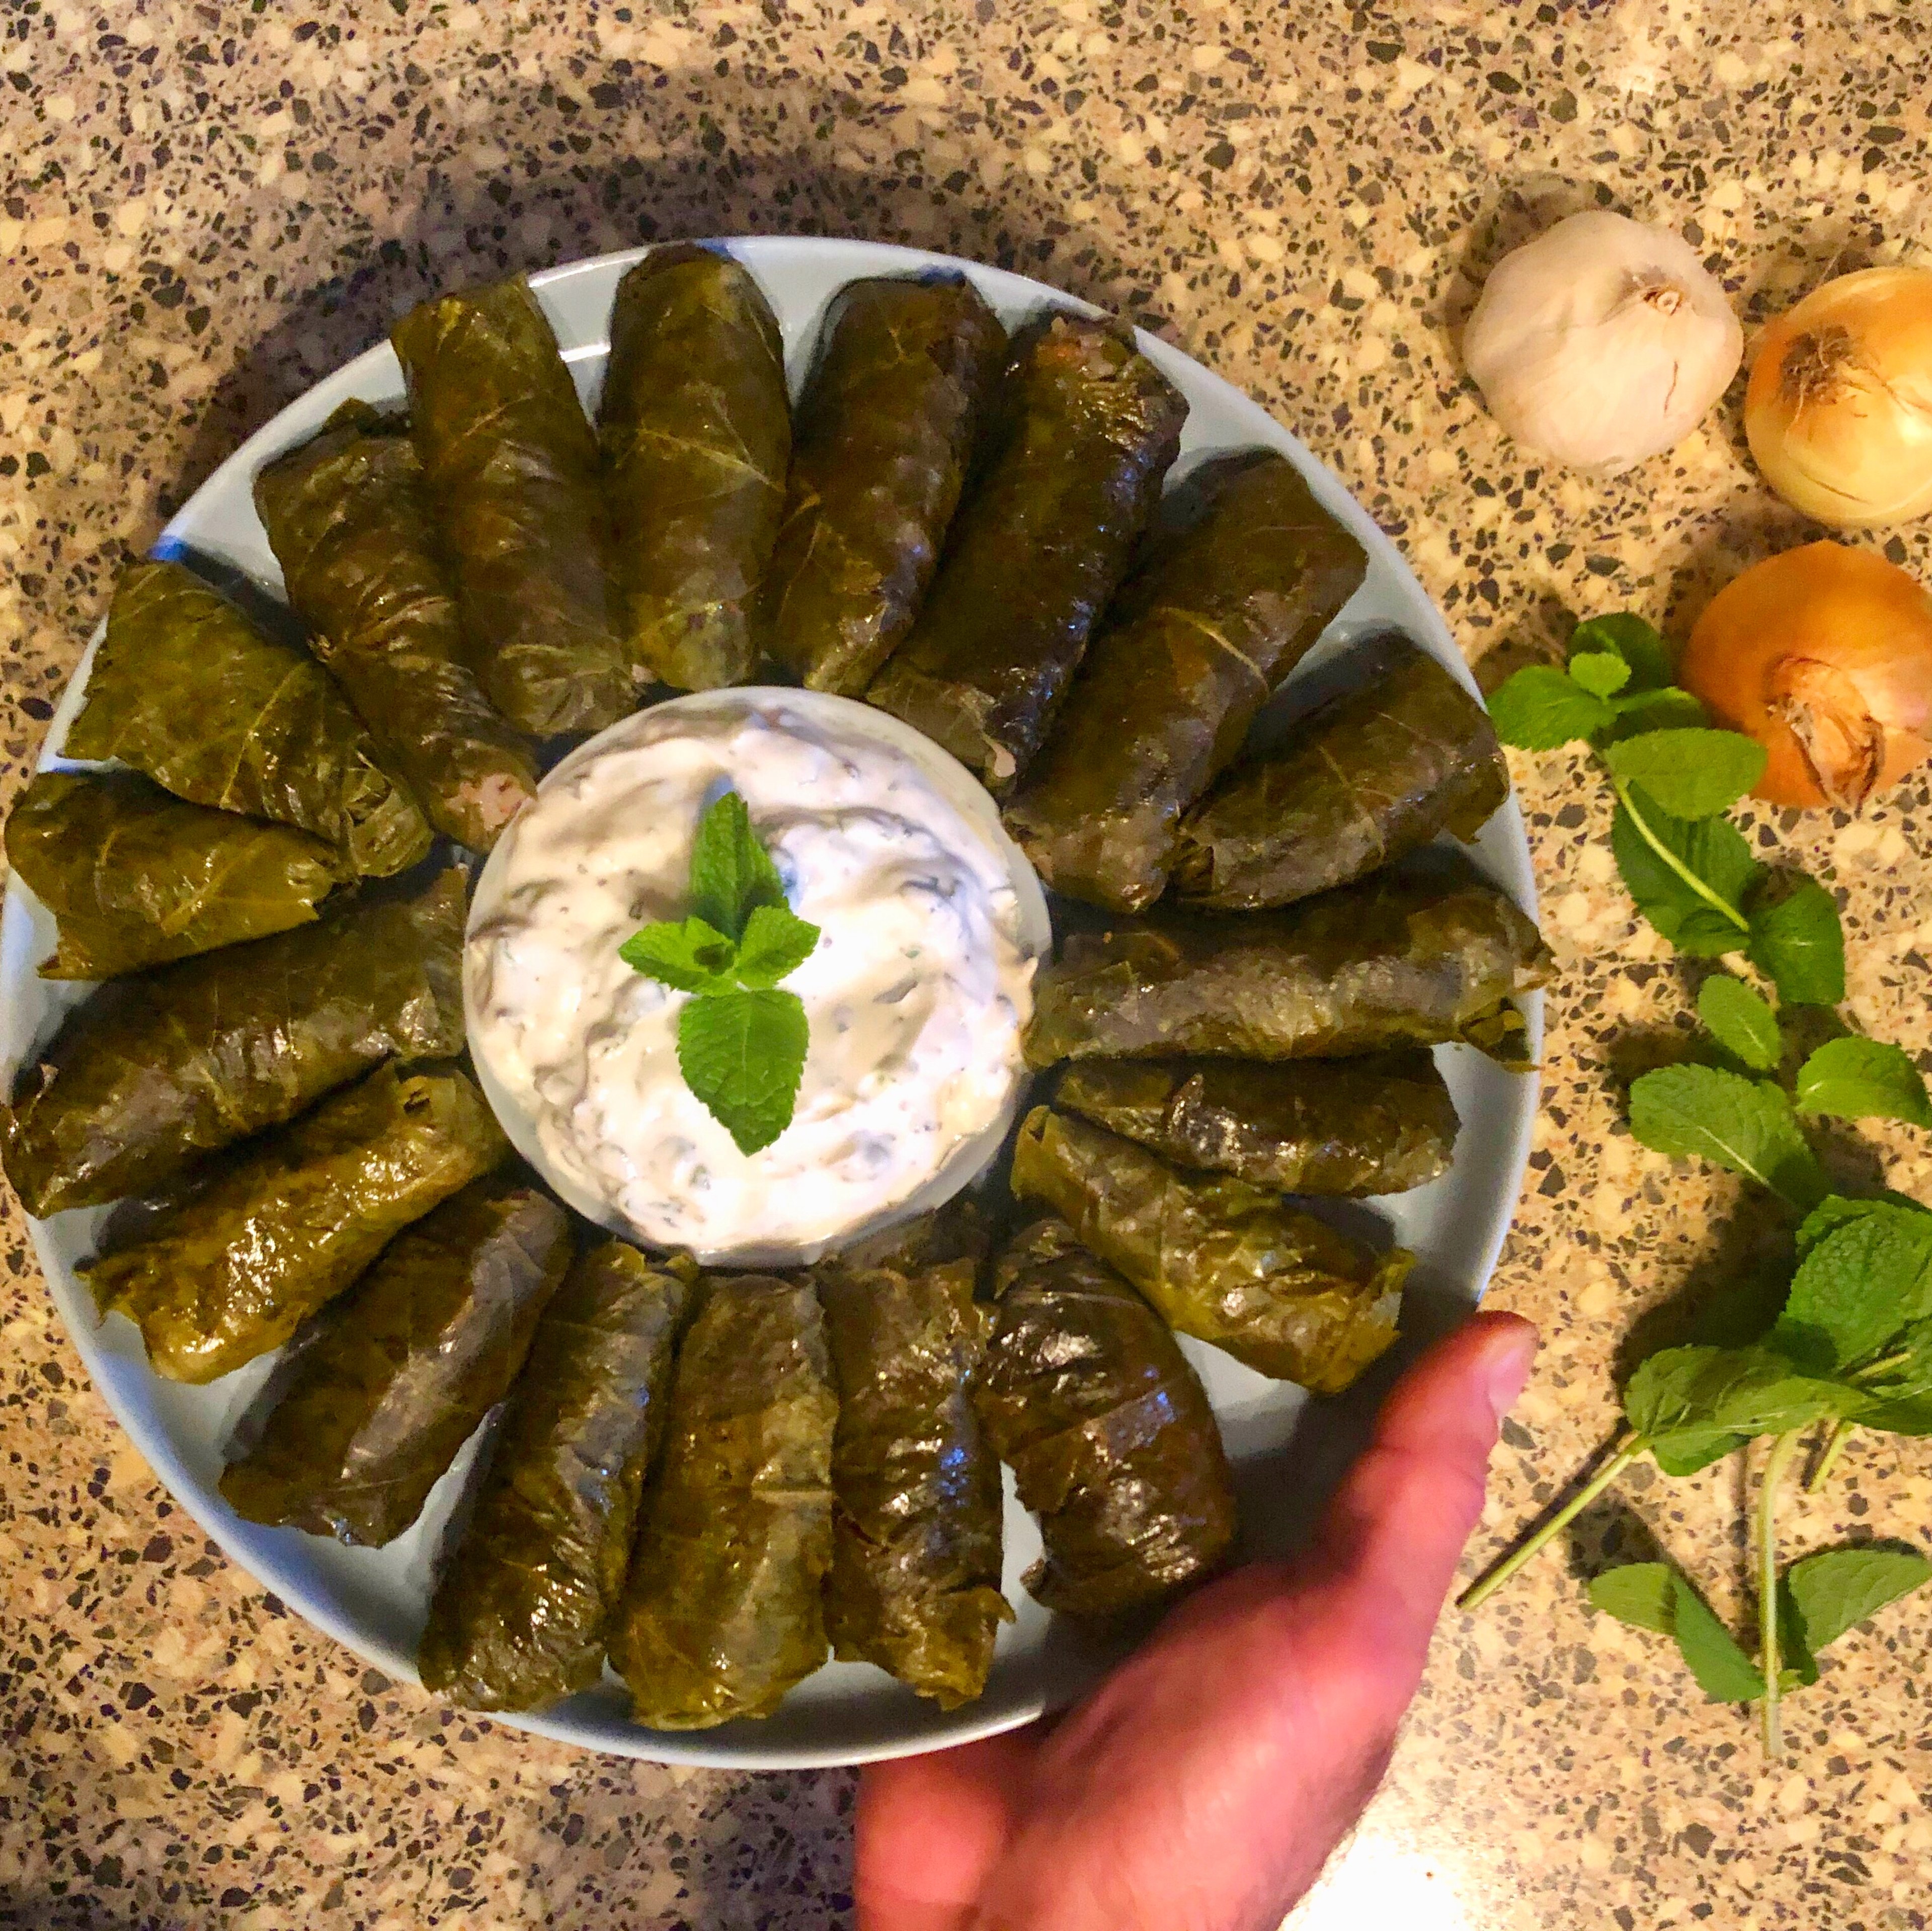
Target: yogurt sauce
column 915, row 994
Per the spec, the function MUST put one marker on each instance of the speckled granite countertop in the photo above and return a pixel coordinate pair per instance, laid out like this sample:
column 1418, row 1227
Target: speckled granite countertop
column 207, row 205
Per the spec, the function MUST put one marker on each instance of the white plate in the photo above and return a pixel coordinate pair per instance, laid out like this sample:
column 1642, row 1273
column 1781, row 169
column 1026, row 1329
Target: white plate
column 1286, row 1451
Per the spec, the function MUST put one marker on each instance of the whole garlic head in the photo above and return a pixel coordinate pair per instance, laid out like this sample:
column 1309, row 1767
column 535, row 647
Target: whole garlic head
column 1602, row 342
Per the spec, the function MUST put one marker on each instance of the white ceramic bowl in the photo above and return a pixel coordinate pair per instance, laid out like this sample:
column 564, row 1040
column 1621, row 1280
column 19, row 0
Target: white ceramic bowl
column 1285, row 1449
column 842, row 717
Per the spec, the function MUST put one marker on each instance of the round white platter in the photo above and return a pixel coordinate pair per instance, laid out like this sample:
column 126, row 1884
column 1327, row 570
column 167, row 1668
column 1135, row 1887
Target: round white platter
column 1286, row 1449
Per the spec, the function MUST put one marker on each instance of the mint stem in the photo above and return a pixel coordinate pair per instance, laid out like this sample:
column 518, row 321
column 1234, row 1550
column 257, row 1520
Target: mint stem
column 1769, row 1662
column 1716, row 901
column 1629, row 1448
column 1828, row 1460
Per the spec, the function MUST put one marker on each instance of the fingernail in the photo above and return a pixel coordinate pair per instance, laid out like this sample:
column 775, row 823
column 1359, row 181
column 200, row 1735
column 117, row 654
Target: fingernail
column 1508, row 1370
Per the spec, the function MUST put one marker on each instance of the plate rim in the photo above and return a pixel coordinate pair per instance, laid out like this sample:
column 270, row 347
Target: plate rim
column 243, row 1543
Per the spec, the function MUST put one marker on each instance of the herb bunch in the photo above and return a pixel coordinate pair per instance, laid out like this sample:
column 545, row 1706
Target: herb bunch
column 741, row 1038
column 1850, row 1343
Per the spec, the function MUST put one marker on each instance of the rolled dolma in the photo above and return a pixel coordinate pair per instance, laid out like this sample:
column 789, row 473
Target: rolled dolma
column 520, row 1613
column 135, row 877
column 696, row 428
column 401, row 1369
column 349, row 517
column 232, row 1271
column 1375, row 1126
column 1217, row 1258
column 186, row 689
column 884, row 436
column 722, row 1612
column 1367, row 778
column 1108, row 1430
column 914, row 1585
column 1199, row 638
column 1089, row 428
column 150, row 1074
column 1389, row 962
column 511, row 462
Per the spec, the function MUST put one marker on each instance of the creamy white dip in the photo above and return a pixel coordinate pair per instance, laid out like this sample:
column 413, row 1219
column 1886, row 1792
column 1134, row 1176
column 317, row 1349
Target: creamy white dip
column 915, row 994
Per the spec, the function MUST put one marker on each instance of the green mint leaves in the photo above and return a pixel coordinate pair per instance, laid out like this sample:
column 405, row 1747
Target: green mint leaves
column 1818, row 1599
column 741, row 1041
column 1740, row 1021
column 742, row 1053
column 1690, row 871
column 1654, row 1595
column 1691, row 774
column 1841, row 1339
column 732, row 874
column 1864, row 1079
column 1746, row 1126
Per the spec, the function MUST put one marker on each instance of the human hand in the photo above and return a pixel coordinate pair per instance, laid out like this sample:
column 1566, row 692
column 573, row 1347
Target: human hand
column 1202, row 1786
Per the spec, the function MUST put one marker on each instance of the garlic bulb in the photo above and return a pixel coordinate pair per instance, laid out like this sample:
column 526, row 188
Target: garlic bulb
column 1602, row 342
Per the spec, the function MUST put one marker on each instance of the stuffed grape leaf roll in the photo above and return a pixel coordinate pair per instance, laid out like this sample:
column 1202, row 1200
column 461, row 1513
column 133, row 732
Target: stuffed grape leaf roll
column 1374, row 1126
column 914, row 1585
column 187, row 689
column 511, row 462
column 1217, row 1258
column 1087, row 429
column 135, row 877
column 695, row 425
column 1388, row 963
column 232, row 1271
column 1365, row 779
column 1197, row 640
column 722, row 1612
column 401, row 1369
column 520, row 1612
column 150, row 1074
column 1111, row 1440
column 884, row 437
column 349, row 517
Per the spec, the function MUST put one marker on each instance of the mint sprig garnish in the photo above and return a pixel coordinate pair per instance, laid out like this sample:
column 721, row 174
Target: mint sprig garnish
column 741, row 1040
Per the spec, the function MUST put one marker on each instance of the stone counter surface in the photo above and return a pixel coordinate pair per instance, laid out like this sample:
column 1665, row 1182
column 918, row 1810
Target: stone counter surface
column 205, row 207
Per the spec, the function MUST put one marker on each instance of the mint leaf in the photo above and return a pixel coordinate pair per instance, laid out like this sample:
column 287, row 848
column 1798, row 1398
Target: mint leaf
column 1864, row 1079
column 731, row 874
column 1745, row 1125
column 1639, row 1593
column 1741, row 1022
column 1695, row 1404
column 1855, row 1291
column 1542, row 707
column 1654, row 1596
column 688, row 955
column 1723, row 1672
column 1712, row 849
column 1601, row 673
column 1651, row 661
column 1835, row 1211
column 742, row 1054
column 777, row 941
column 1667, row 710
column 1692, row 774
column 1797, row 943
column 1838, row 1589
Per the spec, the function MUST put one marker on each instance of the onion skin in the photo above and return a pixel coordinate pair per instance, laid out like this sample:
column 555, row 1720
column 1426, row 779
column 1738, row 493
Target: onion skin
column 1824, row 655
column 1838, row 410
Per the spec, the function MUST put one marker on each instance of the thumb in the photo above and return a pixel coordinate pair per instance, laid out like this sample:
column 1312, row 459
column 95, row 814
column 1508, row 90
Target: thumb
column 1395, row 1529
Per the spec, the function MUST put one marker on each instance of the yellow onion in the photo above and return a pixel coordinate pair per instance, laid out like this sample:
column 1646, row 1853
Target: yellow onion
column 1839, row 409
column 1824, row 655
